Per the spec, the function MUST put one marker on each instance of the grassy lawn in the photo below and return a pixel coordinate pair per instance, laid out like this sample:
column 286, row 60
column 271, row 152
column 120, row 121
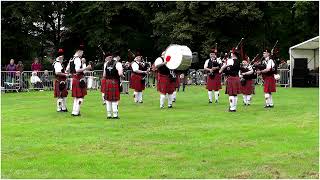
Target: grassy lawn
column 193, row 140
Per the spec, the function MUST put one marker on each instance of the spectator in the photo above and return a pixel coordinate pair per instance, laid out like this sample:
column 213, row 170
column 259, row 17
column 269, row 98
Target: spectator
column 46, row 79
column 12, row 68
column 20, row 66
column 36, row 66
column 283, row 65
column 35, row 80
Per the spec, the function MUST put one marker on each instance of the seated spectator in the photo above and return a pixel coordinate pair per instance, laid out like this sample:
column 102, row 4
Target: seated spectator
column 46, row 79
column 12, row 68
column 36, row 66
column 283, row 64
column 35, row 80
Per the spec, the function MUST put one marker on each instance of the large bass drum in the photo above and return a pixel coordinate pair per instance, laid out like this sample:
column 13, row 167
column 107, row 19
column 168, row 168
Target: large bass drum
column 178, row 57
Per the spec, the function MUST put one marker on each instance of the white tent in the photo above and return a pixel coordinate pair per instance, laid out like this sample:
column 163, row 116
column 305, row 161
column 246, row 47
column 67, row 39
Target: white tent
column 308, row 49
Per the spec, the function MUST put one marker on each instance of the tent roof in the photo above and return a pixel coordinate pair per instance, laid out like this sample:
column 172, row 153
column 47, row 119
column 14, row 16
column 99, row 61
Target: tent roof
column 310, row 44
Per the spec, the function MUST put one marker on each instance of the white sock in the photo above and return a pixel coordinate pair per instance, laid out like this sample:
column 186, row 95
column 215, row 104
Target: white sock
column 140, row 96
column 74, row 109
column 64, row 103
column 102, row 96
column 79, row 103
column 270, row 100
column 174, row 94
column 59, row 104
column 267, row 97
column 115, row 108
column 108, row 106
column 248, row 99
column 210, row 95
column 245, row 99
column 135, row 96
column 170, row 99
column 216, row 95
column 235, row 102
column 162, row 99
column 231, row 102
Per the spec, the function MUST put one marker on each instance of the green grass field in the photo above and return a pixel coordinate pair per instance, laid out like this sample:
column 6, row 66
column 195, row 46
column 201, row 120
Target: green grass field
column 193, row 140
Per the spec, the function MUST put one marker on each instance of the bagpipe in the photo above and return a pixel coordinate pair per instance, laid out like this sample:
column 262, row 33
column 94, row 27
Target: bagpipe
column 234, row 50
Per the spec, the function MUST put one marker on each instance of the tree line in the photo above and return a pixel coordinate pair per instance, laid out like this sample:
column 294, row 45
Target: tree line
column 39, row 29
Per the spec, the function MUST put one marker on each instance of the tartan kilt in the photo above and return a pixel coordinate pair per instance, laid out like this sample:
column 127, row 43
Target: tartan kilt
column 76, row 90
column 103, row 85
column 214, row 83
column 233, row 85
column 64, row 92
column 112, row 90
column 269, row 84
column 248, row 88
column 178, row 80
column 164, row 85
column 135, row 82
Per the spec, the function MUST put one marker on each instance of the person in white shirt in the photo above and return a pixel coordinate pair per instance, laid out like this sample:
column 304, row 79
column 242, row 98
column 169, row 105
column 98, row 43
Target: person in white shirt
column 108, row 56
column 247, row 85
column 212, row 66
column 35, row 80
column 165, row 84
column 269, row 81
column 137, row 79
column 60, row 84
column 79, row 89
column 112, row 71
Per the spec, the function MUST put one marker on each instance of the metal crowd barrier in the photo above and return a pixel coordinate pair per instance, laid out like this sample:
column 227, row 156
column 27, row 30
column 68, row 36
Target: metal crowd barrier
column 45, row 83
column 284, row 77
column 16, row 81
column 10, row 81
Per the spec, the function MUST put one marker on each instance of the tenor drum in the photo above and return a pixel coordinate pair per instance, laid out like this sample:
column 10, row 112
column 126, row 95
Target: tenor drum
column 178, row 57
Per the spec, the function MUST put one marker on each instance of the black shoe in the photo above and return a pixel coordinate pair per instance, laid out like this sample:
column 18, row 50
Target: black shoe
column 210, row 102
column 66, row 110
column 266, row 106
column 109, row 117
column 174, row 100
column 76, row 114
column 103, row 104
column 116, row 117
column 232, row 110
column 170, row 106
column 270, row 106
column 141, row 102
column 248, row 104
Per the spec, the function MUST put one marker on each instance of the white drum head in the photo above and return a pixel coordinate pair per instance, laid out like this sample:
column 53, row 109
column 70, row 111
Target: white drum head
column 178, row 57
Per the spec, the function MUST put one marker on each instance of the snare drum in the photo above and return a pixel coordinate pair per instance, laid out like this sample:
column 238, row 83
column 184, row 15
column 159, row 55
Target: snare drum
column 178, row 57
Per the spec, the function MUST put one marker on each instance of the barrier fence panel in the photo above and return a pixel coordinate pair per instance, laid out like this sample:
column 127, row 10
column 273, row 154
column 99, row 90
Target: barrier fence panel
column 284, row 77
column 11, row 81
column 43, row 80
column 40, row 80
